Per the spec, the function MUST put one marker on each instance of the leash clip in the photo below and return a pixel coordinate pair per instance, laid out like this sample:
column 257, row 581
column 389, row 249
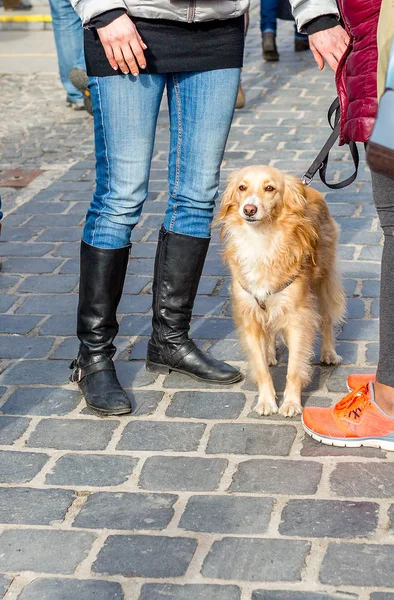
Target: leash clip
column 306, row 179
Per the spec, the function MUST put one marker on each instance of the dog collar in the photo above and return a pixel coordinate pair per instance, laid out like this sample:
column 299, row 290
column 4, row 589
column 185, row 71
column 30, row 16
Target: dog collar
column 261, row 303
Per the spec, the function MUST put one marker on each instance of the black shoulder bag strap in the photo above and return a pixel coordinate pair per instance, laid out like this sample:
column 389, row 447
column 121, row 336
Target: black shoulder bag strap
column 321, row 160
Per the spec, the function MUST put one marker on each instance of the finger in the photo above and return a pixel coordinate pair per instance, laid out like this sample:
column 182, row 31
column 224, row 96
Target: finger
column 141, row 41
column 110, row 56
column 332, row 61
column 138, row 53
column 318, row 57
column 118, row 54
column 130, row 60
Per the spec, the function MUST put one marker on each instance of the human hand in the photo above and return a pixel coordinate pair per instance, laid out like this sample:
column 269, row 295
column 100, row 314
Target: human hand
column 123, row 45
column 329, row 45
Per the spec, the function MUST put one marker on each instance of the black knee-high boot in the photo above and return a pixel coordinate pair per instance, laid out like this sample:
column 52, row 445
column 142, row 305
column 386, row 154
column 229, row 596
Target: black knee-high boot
column 100, row 289
column 178, row 267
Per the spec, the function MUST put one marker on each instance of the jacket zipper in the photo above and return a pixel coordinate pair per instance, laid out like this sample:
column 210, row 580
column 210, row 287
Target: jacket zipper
column 191, row 11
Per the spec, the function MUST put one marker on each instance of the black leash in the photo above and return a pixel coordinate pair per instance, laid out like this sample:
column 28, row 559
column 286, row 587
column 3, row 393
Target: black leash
column 321, row 160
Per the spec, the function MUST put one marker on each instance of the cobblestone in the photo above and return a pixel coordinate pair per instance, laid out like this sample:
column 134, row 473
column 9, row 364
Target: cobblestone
column 193, row 496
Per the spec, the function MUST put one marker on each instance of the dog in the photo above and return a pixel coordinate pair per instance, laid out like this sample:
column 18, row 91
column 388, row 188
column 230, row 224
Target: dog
column 280, row 245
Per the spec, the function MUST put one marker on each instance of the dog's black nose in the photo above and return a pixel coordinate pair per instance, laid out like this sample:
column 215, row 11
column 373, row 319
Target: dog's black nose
column 250, row 210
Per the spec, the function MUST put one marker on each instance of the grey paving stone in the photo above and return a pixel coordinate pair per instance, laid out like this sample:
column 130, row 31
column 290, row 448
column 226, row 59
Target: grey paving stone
column 91, row 470
column 18, row 324
column 134, row 375
column 25, row 249
column 67, row 250
column 159, row 436
column 312, row 448
column 134, row 285
column 167, row 473
column 208, row 306
column 47, row 284
column 277, row 477
column 4, row 584
column 23, row 347
column 207, row 285
column 141, row 325
column 227, row 514
column 68, row 349
column 140, row 266
column 293, row 595
column 59, row 325
column 161, row 591
column 44, row 304
column 249, row 559
column 41, row 401
column 344, row 252
column 372, row 353
column 375, row 308
column 11, row 428
column 145, row 402
column 34, row 507
column 359, row 270
column 371, row 288
column 20, row 467
column 355, row 308
column 126, row 511
column 30, row 265
column 42, row 372
column 55, row 220
column 371, row 253
column 227, row 350
column 60, row 234
column 19, row 234
column 72, row 434
column 350, row 286
column 358, row 564
column 206, row 405
column 329, row 518
column 6, row 301
column 382, row 596
column 8, row 281
column 337, row 380
column 360, row 329
column 70, row 266
column 139, row 349
column 65, row 589
column 369, row 480
column 145, row 556
column 130, row 304
column 213, row 328
column 45, row 551
column 41, row 208
column 235, row 438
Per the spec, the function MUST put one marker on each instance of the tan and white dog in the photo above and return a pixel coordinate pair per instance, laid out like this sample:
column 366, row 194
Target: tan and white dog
column 280, row 245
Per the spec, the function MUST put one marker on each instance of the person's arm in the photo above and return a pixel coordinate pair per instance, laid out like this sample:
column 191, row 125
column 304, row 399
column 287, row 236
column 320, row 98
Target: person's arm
column 328, row 40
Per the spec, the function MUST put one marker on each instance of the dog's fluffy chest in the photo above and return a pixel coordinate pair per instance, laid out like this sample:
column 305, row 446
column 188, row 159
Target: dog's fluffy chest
column 256, row 254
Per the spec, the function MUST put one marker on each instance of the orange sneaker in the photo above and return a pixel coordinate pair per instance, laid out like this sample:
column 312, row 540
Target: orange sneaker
column 353, row 422
column 358, row 380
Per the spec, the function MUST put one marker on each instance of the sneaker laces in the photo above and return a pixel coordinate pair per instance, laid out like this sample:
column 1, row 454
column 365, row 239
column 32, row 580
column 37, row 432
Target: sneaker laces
column 358, row 397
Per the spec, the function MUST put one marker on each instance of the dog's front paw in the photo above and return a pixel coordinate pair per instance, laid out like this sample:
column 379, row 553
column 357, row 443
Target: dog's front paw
column 290, row 409
column 330, row 357
column 264, row 408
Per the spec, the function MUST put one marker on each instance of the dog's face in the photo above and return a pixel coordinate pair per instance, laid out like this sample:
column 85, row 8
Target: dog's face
column 257, row 195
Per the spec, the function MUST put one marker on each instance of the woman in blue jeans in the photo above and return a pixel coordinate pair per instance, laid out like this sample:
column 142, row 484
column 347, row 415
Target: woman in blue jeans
column 134, row 51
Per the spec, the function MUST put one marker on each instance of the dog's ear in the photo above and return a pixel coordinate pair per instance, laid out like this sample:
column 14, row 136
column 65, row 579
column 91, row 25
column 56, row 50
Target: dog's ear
column 294, row 196
column 228, row 199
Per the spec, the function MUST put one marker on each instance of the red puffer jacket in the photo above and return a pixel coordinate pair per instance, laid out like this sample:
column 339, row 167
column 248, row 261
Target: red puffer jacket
column 356, row 76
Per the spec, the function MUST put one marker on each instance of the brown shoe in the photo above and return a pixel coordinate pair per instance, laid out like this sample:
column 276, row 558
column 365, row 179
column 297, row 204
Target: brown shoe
column 270, row 52
column 240, row 97
column 300, row 44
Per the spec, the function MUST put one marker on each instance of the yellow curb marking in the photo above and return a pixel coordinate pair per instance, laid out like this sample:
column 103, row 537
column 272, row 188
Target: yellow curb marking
column 26, row 19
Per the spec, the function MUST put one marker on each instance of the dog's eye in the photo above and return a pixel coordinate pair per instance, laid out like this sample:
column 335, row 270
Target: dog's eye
column 269, row 188
column 242, row 188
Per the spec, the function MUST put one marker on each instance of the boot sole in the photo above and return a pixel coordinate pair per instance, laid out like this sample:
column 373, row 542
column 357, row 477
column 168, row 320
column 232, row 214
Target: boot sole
column 108, row 413
column 160, row 368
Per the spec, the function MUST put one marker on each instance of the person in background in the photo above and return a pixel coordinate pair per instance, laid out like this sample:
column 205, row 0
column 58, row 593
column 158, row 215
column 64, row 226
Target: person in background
column 241, row 100
column 68, row 31
column 135, row 51
column 270, row 11
column 365, row 417
column 16, row 4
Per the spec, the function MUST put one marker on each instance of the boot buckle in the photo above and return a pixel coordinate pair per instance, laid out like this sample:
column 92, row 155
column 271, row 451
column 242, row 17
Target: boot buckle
column 76, row 375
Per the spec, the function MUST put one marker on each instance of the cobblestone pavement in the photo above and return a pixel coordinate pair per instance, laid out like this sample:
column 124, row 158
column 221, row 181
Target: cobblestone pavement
column 193, row 497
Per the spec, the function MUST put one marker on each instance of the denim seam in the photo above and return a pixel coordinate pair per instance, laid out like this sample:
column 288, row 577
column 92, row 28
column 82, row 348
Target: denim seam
column 178, row 148
column 107, row 160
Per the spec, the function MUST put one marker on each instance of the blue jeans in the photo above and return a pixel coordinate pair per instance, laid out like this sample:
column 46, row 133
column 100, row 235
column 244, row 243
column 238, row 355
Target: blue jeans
column 68, row 31
column 201, row 108
column 268, row 18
